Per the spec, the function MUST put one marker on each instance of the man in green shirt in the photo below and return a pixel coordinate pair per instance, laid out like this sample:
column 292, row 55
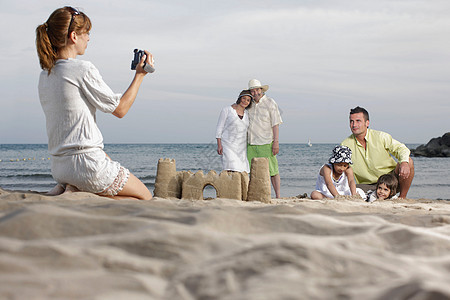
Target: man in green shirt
column 372, row 153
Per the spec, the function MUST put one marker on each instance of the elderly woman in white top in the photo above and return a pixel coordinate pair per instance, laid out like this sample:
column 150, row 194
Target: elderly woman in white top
column 71, row 91
column 231, row 134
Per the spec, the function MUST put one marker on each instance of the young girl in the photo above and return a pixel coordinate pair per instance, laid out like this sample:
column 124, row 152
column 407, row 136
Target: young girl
column 336, row 178
column 71, row 91
column 386, row 188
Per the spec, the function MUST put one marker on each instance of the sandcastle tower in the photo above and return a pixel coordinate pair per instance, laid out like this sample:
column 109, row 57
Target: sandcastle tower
column 168, row 181
column 259, row 188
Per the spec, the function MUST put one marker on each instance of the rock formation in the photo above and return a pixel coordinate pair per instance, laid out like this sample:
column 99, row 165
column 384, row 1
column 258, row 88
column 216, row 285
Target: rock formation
column 436, row 147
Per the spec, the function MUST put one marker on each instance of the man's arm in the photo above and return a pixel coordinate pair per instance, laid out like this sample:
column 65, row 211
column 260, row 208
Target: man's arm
column 276, row 141
column 404, row 170
column 275, row 118
column 401, row 152
column 394, row 147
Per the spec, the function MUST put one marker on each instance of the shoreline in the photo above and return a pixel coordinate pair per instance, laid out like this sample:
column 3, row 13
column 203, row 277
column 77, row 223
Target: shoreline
column 298, row 173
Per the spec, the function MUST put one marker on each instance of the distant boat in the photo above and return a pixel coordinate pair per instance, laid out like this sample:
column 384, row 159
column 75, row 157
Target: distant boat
column 309, row 142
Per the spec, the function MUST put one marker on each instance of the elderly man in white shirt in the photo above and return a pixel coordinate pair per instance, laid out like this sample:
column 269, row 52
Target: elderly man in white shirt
column 263, row 131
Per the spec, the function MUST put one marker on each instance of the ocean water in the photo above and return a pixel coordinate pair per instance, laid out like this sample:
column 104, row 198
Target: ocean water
column 27, row 166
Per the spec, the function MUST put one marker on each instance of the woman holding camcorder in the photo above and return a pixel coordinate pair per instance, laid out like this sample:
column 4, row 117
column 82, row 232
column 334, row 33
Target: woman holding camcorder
column 71, row 91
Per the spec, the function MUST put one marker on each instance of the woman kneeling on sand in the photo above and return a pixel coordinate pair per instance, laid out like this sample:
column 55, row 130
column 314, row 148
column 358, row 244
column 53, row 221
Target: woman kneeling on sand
column 70, row 91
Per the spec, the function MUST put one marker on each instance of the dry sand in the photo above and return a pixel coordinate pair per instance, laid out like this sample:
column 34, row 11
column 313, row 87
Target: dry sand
column 81, row 246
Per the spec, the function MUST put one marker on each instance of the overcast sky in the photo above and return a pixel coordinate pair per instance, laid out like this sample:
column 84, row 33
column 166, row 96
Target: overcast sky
column 320, row 58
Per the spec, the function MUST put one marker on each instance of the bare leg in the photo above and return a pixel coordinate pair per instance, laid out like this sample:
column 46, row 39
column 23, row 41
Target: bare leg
column 276, row 183
column 134, row 189
column 315, row 195
column 405, row 183
column 57, row 190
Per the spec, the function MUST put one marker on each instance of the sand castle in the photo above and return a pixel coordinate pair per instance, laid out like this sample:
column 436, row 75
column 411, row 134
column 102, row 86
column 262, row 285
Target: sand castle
column 171, row 183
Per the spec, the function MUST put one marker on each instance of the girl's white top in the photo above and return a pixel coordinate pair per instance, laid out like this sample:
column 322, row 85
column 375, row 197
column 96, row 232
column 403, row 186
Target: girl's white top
column 233, row 133
column 70, row 96
column 341, row 184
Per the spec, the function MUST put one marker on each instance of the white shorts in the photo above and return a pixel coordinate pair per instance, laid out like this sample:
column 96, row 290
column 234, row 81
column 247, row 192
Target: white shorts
column 90, row 172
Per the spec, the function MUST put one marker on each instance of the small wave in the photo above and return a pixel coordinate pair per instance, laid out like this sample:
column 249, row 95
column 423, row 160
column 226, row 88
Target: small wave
column 25, row 170
column 298, row 179
column 44, row 187
column 32, row 176
column 431, row 185
column 149, row 185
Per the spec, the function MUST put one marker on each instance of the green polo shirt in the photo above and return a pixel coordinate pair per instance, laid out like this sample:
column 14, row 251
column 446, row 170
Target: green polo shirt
column 376, row 159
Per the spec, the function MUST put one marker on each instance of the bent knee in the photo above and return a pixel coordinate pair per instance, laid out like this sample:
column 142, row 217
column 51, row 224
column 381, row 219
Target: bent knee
column 411, row 163
column 315, row 195
column 146, row 196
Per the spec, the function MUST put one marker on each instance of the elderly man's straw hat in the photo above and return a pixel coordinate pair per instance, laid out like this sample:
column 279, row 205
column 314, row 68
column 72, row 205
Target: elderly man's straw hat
column 255, row 84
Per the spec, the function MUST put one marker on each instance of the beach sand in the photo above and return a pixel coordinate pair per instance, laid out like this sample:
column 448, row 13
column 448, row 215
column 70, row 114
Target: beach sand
column 81, row 246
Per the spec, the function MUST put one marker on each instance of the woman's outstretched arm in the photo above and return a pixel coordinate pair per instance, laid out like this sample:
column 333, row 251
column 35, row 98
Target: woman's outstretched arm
column 130, row 94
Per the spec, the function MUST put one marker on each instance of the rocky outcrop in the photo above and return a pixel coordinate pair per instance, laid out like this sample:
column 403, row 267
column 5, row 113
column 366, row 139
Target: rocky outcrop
column 436, row 147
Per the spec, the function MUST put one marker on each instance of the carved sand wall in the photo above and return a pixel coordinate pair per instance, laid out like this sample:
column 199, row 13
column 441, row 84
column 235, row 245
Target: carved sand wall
column 171, row 183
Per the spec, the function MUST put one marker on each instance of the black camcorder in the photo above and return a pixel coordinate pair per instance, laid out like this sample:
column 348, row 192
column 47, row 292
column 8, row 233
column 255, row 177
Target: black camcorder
column 137, row 58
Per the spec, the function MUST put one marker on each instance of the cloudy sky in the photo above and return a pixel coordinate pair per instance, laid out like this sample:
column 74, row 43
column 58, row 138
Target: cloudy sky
column 320, row 58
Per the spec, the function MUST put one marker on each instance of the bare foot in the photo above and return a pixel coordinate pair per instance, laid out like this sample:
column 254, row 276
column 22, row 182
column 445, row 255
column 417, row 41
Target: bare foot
column 71, row 189
column 57, row 190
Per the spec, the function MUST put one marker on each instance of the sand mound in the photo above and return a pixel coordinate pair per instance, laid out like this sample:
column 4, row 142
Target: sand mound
column 81, row 246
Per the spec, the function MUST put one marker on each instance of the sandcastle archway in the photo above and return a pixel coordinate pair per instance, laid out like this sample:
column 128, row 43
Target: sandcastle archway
column 209, row 192
column 227, row 185
column 233, row 185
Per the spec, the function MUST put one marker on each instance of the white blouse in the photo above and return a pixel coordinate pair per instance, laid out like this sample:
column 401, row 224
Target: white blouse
column 341, row 184
column 233, row 133
column 70, row 96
